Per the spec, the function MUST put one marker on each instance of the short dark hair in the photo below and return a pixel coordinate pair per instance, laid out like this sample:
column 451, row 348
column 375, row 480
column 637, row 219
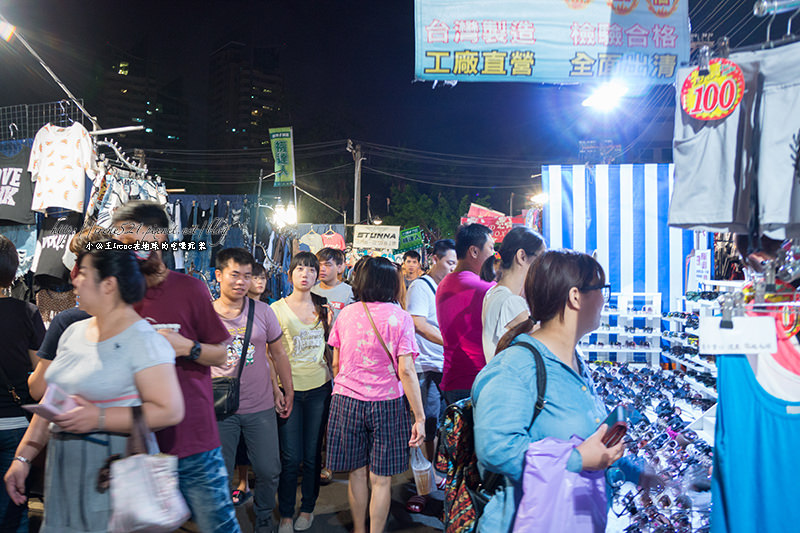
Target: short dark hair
column 442, row 246
column 379, row 281
column 259, row 270
column 303, row 259
column 413, row 254
column 237, row 255
column 331, row 254
column 519, row 238
column 120, row 264
column 144, row 212
column 471, row 235
column 9, row 261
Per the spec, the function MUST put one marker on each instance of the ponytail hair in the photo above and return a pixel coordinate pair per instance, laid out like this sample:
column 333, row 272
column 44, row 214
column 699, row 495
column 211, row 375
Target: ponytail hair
column 550, row 278
column 321, row 306
column 519, row 238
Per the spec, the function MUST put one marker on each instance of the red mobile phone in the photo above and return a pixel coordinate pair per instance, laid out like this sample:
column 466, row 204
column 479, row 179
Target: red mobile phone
column 617, row 427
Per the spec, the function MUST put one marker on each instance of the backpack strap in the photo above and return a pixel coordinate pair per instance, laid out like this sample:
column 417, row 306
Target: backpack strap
column 541, row 379
column 427, row 282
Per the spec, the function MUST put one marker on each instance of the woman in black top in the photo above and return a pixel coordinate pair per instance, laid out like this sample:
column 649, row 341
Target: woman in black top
column 21, row 331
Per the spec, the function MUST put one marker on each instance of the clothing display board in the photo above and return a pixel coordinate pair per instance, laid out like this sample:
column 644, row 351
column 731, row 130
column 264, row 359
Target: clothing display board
column 620, row 211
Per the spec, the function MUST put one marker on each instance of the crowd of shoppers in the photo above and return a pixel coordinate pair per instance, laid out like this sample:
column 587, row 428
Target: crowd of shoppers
column 369, row 366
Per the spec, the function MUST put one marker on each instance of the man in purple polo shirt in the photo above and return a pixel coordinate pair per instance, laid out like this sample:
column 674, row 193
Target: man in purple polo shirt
column 459, row 302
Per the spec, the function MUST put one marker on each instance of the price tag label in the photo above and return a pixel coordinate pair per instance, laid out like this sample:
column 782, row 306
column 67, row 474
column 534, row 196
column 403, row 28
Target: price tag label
column 750, row 334
column 716, row 95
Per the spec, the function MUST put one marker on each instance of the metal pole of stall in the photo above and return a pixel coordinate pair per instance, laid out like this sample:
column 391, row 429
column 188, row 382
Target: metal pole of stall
column 258, row 211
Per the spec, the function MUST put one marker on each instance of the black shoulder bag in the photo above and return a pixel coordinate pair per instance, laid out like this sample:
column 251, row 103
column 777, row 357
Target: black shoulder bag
column 226, row 389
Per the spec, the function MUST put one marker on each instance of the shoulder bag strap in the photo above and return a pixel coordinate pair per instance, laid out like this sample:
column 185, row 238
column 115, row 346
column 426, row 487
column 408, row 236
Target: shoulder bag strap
column 541, row 379
column 491, row 481
column 12, row 390
column 250, row 309
column 377, row 333
column 138, row 437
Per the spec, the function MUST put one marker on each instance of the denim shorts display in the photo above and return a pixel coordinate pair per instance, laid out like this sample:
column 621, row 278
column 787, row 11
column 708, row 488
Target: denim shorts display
column 24, row 239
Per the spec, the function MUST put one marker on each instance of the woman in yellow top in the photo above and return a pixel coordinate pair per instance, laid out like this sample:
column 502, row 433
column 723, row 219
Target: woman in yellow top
column 304, row 320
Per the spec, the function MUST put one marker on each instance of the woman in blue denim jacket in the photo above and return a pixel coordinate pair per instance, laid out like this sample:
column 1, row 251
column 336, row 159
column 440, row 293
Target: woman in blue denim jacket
column 566, row 292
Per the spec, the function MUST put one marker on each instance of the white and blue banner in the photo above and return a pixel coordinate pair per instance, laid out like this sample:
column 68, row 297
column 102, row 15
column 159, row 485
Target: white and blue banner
column 551, row 41
column 621, row 212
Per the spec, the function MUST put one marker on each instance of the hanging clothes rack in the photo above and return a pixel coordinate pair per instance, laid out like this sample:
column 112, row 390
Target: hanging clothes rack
column 122, row 158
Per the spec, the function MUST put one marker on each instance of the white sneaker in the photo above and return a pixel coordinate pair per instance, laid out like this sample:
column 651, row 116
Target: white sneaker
column 301, row 524
column 285, row 528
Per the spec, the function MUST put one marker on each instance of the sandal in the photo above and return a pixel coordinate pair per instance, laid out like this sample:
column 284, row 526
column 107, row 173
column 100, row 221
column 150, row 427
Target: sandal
column 416, row 503
column 239, row 497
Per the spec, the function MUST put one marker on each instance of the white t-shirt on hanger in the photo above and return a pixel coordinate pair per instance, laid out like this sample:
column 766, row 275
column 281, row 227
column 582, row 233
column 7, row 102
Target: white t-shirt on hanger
column 60, row 160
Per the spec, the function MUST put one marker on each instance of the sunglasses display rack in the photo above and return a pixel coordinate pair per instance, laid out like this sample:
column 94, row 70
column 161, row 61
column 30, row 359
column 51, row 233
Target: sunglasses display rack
column 630, row 330
column 670, row 434
column 681, row 342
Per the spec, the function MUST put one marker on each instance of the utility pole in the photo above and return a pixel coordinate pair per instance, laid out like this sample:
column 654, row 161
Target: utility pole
column 357, row 157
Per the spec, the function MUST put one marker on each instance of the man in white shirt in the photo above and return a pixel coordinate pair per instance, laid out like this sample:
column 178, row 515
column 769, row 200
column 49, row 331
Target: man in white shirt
column 421, row 304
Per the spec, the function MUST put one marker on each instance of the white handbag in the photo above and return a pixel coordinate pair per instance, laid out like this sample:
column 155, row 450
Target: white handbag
column 144, row 488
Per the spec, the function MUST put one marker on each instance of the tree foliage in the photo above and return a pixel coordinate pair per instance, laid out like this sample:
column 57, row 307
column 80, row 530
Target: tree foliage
column 437, row 213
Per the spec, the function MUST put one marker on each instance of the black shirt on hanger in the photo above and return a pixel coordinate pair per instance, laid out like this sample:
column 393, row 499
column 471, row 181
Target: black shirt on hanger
column 54, row 237
column 16, row 190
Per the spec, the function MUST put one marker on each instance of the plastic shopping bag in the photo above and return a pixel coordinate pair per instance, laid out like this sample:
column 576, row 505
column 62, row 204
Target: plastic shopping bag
column 423, row 471
column 556, row 500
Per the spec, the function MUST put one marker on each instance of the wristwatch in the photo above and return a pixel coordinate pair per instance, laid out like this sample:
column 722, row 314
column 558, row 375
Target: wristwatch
column 194, row 353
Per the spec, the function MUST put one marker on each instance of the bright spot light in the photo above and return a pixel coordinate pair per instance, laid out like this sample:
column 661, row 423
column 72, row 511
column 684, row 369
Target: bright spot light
column 284, row 215
column 377, row 221
column 539, row 199
column 607, row 96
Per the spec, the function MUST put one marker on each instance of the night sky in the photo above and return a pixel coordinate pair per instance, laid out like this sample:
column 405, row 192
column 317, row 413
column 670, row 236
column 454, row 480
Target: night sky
column 348, row 68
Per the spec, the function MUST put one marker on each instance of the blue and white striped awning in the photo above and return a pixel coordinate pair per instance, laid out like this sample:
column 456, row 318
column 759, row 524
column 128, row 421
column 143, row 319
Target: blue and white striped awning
column 620, row 211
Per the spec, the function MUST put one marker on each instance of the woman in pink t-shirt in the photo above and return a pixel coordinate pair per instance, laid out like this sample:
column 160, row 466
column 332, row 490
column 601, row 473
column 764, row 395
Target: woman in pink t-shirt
column 373, row 361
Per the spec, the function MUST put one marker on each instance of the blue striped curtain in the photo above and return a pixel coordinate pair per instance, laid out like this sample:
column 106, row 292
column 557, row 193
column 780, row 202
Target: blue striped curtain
column 620, row 211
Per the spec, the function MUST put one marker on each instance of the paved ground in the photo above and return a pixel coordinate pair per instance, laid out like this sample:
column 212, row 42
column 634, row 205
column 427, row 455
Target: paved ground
column 332, row 514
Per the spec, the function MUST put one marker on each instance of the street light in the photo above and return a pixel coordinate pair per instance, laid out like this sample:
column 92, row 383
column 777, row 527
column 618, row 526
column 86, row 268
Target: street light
column 606, row 97
column 539, row 199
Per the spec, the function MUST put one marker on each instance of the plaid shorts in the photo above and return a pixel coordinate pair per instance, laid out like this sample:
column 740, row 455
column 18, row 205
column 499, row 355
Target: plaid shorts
column 373, row 434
